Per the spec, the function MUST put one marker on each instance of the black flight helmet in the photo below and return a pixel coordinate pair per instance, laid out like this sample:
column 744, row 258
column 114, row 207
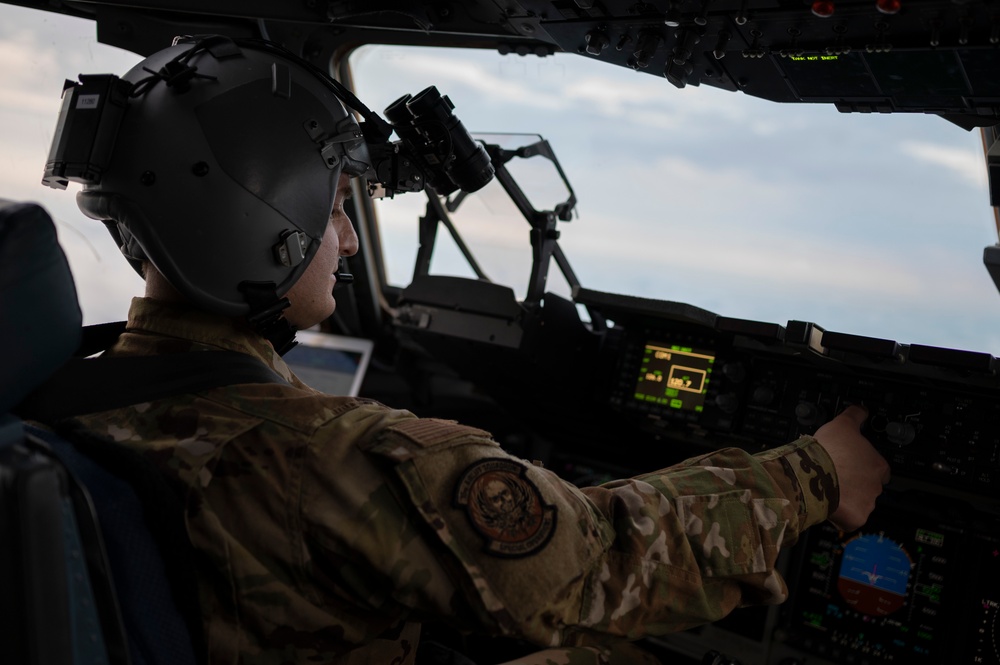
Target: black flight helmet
column 222, row 171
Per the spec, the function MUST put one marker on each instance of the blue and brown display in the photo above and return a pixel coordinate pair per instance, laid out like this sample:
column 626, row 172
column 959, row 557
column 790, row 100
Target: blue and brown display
column 894, row 592
column 674, row 376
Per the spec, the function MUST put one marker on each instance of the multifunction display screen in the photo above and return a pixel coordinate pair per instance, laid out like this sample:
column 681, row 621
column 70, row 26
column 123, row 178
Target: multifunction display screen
column 885, row 594
column 674, row 376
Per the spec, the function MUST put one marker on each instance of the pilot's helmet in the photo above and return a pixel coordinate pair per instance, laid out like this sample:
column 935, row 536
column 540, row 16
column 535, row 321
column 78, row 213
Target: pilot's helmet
column 225, row 167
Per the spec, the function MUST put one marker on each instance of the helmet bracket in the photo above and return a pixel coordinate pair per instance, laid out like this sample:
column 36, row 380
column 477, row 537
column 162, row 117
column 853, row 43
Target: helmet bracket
column 291, row 248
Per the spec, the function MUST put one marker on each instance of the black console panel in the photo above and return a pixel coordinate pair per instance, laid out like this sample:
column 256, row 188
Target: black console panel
column 933, row 413
column 920, row 583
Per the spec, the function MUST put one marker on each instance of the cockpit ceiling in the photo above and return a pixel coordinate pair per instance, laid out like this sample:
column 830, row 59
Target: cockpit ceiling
column 923, row 56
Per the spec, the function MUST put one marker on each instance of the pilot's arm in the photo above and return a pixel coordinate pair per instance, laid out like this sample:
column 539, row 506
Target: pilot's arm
column 493, row 543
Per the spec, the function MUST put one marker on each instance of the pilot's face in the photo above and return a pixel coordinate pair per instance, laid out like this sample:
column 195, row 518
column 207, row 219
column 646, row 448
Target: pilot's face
column 312, row 296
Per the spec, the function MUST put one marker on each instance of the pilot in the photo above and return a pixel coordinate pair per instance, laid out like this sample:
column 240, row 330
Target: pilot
column 327, row 528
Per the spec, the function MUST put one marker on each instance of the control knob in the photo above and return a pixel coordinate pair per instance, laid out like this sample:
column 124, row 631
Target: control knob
column 809, row 414
column 900, row 433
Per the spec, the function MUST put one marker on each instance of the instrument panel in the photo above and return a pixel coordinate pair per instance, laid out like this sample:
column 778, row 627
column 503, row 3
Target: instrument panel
column 919, row 584
column 933, row 413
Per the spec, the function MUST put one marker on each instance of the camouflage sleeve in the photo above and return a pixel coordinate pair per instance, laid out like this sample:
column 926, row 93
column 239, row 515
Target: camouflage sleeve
column 696, row 540
column 528, row 554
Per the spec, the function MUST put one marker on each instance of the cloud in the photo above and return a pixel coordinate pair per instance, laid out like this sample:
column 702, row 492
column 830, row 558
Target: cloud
column 741, row 231
column 682, row 189
column 480, row 79
column 26, row 63
column 23, row 157
column 38, row 51
column 739, row 254
column 966, row 164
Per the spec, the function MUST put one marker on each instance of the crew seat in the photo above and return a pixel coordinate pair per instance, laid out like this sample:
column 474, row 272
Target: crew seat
column 84, row 581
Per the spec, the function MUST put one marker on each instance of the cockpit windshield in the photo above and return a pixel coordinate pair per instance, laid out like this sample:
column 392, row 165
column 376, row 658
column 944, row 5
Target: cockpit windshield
column 868, row 224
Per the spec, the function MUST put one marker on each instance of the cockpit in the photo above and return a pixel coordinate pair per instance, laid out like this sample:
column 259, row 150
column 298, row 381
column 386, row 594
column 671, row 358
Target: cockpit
column 711, row 224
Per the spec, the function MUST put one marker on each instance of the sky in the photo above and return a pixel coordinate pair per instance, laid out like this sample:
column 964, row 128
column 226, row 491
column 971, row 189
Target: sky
column 867, row 224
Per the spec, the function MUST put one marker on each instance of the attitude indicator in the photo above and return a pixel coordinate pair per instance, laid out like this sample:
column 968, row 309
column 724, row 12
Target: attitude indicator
column 874, row 574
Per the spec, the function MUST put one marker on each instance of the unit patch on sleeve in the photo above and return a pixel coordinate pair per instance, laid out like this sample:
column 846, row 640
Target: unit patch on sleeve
column 505, row 507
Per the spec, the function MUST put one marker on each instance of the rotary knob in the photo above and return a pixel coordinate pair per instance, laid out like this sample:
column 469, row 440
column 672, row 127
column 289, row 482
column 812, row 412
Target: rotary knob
column 809, row 414
column 900, row 433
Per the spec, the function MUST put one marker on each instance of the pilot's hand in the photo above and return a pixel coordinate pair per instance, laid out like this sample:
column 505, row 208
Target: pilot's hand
column 861, row 470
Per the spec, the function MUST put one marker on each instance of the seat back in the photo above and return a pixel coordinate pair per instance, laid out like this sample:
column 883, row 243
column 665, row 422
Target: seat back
column 51, row 559
column 39, row 313
column 60, row 605
column 149, row 592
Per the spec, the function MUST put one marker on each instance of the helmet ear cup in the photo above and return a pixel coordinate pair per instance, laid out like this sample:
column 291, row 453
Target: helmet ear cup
column 207, row 178
column 96, row 205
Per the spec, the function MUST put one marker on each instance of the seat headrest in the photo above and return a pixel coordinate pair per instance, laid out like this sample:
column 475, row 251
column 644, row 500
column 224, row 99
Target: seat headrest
column 40, row 319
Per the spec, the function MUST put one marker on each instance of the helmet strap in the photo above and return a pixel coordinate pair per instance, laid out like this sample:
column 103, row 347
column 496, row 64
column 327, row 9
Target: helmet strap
column 266, row 315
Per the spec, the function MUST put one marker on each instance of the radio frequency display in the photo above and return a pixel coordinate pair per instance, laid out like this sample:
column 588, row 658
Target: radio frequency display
column 674, row 376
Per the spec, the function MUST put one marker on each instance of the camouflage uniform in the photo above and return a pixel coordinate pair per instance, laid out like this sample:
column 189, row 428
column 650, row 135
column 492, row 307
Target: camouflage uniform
column 333, row 525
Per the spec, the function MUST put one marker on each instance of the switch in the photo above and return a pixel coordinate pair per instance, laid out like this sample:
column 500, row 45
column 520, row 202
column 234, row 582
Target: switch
column 672, row 18
column 597, row 41
column 649, row 42
column 719, row 52
column 702, row 17
column 684, row 49
column 678, row 74
column 935, row 39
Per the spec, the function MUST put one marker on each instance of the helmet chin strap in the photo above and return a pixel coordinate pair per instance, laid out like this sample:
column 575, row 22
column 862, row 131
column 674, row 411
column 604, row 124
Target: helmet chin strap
column 266, row 315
